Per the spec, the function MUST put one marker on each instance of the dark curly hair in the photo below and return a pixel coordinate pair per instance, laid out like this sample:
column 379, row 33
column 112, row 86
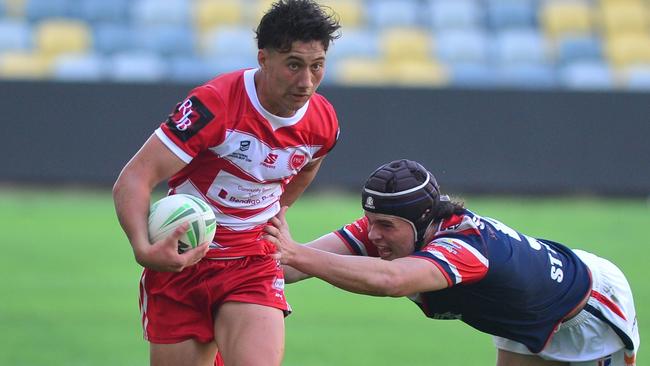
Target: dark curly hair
column 296, row 20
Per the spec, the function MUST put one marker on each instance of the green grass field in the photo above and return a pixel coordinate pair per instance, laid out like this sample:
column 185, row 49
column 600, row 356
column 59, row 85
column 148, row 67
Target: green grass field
column 69, row 283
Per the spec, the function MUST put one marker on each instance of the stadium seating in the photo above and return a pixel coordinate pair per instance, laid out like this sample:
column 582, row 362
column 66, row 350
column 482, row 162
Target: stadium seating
column 88, row 67
column 462, row 46
column 561, row 17
column 505, row 14
column 155, row 12
column 207, row 14
column 24, row 65
column 587, row 76
column 578, row 48
column 136, row 67
column 350, row 12
column 56, row 36
column 16, row 35
column 94, row 11
column 393, row 13
column 444, row 14
column 456, row 43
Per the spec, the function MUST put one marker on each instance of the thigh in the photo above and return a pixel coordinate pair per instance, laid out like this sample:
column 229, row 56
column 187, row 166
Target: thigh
column 250, row 334
column 186, row 353
column 507, row 358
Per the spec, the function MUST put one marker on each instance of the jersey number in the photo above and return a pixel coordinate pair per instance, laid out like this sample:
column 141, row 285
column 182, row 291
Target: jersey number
column 556, row 265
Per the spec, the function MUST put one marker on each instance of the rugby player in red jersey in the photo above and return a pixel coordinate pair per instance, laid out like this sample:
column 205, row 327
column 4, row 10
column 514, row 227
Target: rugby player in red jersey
column 246, row 142
column 543, row 303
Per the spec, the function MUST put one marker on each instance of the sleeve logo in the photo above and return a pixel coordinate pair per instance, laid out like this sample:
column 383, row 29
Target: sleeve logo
column 189, row 118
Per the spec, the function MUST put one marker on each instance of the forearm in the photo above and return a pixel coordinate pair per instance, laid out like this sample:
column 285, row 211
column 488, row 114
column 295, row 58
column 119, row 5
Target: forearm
column 132, row 208
column 292, row 275
column 363, row 275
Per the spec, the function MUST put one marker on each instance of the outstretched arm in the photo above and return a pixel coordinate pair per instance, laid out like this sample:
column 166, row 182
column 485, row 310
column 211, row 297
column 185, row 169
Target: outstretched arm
column 364, row 275
column 328, row 243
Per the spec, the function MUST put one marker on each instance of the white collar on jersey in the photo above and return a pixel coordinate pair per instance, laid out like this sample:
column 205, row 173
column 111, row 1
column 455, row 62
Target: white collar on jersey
column 275, row 121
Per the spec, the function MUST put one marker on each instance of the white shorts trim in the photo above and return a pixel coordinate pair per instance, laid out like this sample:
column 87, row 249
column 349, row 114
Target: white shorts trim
column 585, row 338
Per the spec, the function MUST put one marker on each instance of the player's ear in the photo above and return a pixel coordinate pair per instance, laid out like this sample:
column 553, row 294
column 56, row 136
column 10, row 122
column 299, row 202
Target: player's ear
column 262, row 58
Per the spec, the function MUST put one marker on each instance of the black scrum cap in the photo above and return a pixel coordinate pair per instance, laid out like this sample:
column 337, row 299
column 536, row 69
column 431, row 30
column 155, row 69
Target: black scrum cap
column 405, row 189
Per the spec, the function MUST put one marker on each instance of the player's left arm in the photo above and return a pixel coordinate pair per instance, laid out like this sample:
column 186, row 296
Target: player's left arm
column 300, row 182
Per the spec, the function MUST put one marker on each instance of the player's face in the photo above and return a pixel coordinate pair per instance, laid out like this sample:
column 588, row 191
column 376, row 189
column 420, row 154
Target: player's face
column 393, row 236
column 288, row 79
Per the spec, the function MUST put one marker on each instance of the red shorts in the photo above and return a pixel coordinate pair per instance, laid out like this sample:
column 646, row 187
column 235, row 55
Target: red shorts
column 179, row 306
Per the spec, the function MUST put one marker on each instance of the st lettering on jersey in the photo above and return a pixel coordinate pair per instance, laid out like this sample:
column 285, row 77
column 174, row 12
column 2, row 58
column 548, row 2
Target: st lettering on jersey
column 189, row 118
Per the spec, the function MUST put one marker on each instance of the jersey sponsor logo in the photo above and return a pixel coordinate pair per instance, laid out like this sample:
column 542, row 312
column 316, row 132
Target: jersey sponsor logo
column 297, row 160
column 270, row 160
column 189, row 118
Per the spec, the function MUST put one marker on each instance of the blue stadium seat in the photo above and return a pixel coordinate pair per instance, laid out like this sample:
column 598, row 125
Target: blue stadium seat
column 165, row 39
column 16, row 35
column 470, row 46
column 520, row 46
column 113, row 37
column 137, row 67
column 226, row 41
column 393, row 13
column 527, row 76
column 444, row 14
column 355, row 42
column 89, row 67
column 504, row 14
column 587, row 76
column 149, row 12
column 637, row 78
column 36, row 10
column 193, row 70
column 116, row 11
column 579, row 48
column 468, row 75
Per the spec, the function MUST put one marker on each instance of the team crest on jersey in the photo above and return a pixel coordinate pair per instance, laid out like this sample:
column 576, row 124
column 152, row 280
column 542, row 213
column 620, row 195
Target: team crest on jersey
column 189, row 118
column 297, row 160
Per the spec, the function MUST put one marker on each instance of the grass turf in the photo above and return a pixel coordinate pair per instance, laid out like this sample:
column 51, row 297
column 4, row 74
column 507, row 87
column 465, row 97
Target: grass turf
column 69, row 287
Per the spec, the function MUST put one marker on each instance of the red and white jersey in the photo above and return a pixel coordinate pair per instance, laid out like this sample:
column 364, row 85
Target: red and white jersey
column 240, row 157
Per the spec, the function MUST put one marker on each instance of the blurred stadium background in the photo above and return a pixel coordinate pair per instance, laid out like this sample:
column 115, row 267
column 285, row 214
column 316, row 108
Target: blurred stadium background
column 568, row 44
column 536, row 110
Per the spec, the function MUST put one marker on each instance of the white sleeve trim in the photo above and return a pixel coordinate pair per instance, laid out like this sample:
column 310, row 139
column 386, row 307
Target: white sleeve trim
column 172, row 146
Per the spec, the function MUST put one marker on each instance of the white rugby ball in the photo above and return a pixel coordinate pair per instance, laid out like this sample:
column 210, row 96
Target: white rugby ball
column 168, row 213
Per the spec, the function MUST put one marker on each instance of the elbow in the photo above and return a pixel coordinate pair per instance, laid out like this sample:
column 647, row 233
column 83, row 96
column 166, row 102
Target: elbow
column 391, row 285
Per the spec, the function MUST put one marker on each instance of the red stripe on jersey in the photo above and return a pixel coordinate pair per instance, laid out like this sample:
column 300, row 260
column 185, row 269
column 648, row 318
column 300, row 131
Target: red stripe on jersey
column 609, row 303
column 442, row 270
column 458, row 255
column 359, row 229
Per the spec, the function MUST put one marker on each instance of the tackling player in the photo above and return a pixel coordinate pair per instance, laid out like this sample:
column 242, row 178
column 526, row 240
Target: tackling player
column 246, row 142
column 543, row 303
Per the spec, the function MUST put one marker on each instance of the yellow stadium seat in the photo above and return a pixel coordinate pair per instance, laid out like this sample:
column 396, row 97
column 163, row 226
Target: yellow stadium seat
column 628, row 49
column 566, row 17
column 350, row 12
column 17, row 65
column 406, row 44
column 56, row 36
column 209, row 13
column 624, row 17
column 259, row 10
column 417, row 73
column 361, row 71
